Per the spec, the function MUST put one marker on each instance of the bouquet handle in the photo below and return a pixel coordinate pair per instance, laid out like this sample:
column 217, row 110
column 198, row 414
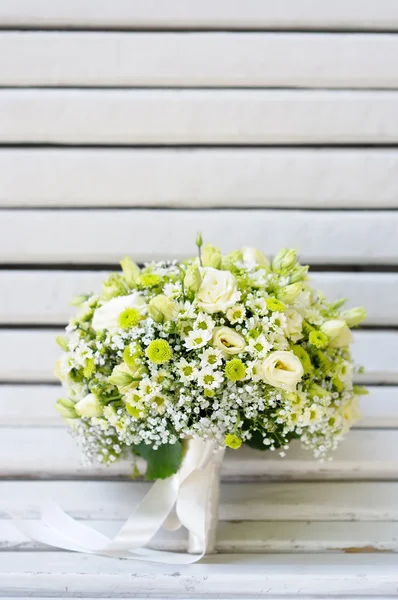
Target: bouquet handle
column 195, row 544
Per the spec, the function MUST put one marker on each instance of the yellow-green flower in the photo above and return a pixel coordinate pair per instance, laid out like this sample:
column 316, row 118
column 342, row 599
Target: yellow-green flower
column 149, row 280
column 159, row 352
column 318, row 339
column 235, row 370
column 129, row 318
column 274, row 304
column 89, row 368
column 232, row 441
column 211, row 256
column 303, row 356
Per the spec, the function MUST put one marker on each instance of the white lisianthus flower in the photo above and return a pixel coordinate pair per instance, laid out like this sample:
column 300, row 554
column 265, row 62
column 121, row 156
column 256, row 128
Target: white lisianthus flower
column 294, row 324
column 282, row 369
column 89, row 406
column 218, row 290
column 228, row 340
column 253, row 257
column 338, row 333
column 107, row 315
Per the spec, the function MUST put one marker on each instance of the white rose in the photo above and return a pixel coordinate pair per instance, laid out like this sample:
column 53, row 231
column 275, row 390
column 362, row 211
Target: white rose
column 338, row 333
column 228, row 340
column 282, row 369
column 218, row 290
column 89, row 406
column 107, row 315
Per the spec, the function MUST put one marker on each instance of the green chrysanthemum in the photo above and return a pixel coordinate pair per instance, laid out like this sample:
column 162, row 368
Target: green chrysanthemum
column 303, row 356
column 129, row 318
column 235, row 370
column 232, row 441
column 149, row 280
column 159, row 351
column 318, row 339
column 274, row 304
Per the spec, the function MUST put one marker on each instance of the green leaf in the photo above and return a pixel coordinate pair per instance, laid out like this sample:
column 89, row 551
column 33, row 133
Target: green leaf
column 163, row 462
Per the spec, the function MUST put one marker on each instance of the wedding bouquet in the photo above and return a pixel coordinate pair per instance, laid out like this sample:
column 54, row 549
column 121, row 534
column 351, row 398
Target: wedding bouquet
column 232, row 349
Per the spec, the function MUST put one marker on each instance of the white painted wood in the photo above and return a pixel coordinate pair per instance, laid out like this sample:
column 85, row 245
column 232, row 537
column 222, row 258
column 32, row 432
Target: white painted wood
column 376, row 351
column 271, row 501
column 51, row 291
column 188, row 14
column 198, row 117
column 39, row 452
column 32, row 405
column 105, row 236
column 221, row 576
column 255, row 536
column 198, row 59
column 226, row 178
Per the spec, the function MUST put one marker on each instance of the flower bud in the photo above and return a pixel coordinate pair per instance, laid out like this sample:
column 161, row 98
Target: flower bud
column 131, row 271
column 229, row 260
column 192, row 278
column 290, row 292
column 299, row 273
column 161, row 309
column 354, row 316
column 66, row 408
column 79, row 300
column 114, row 286
column 89, row 406
column 317, row 390
column 253, row 256
column 337, row 332
column 62, row 342
column 199, row 240
column 211, row 256
column 284, row 260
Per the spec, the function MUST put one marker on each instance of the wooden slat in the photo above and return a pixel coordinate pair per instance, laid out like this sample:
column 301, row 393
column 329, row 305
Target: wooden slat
column 376, row 351
column 50, row 293
column 104, row 236
column 39, row 452
column 240, row 576
column 188, row 14
column 260, row 536
column 198, row 117
column 199, row 59
column 271, row 501
column 33, row 405
column 226, row 178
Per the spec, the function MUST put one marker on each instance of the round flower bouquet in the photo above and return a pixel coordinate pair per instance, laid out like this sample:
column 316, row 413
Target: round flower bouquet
column 175, row 361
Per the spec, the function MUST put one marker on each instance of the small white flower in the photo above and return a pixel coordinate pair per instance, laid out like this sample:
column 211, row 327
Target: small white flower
column 197, row 339
column 210, row 379
column 187, row 370
column 172, row 290
column 236, row 313
column 212, row 357
column 259, row 347
column 204, row 323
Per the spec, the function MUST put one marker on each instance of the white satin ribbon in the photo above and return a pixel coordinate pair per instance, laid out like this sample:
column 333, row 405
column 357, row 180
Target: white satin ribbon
column 183, row 499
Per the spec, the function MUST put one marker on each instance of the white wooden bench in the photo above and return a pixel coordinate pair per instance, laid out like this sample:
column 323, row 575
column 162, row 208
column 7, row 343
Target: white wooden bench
column 274, row 123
